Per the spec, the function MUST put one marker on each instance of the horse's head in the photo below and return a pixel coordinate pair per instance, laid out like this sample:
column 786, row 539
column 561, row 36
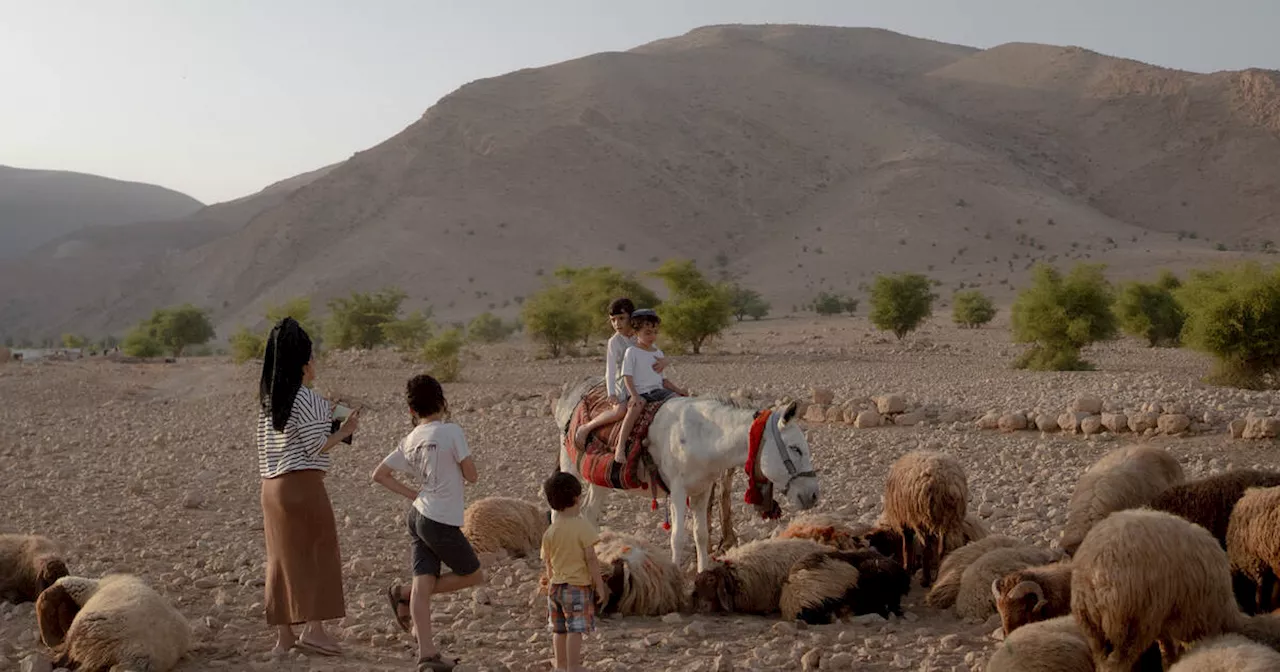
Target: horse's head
column 785, row 459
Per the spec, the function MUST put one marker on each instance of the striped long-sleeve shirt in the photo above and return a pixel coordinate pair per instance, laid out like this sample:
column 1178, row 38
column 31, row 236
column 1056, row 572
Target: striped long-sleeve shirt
column 298, row 446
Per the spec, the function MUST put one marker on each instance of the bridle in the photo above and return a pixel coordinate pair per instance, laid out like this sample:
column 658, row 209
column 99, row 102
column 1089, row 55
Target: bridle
column 776, row 435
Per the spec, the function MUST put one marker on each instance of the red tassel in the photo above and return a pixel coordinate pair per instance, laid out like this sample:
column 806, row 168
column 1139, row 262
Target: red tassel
column 653, row 506
column 666, row 525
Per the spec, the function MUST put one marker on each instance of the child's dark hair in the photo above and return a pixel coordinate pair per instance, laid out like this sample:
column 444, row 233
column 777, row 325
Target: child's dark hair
column 622, row 306
column 644, row 316
column 425, row 396
column 561, row 489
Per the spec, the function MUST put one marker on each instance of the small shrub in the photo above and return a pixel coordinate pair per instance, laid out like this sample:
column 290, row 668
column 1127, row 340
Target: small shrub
column 141, row 343
column 551, row 317
column 357, row 321
column 410, row 333
column 1234, row 315
column 972, row 309
column 442, row 355
column 828, row 304
column 748, row 303
column 487, row 328
column 246, row 345
column 900, row 303
column 1150, row 311
column 1059, row 316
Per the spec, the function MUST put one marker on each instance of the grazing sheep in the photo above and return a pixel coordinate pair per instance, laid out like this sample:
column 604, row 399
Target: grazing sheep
column 827, row 529
column 971, row 530
column 1228, row 653
column 944, row 592
column 1143, row 577
column 889, row 542
column 974, row 602
column 1125, row 478
column 748, row 578
column 1253, row 546
column 1208, row 501
column 28, row 565
column 821, row 587
column 641, row 578
column 118, row 620
column 1033, row 594
column 495, row 524
column 925, row 495
column 1055, row 645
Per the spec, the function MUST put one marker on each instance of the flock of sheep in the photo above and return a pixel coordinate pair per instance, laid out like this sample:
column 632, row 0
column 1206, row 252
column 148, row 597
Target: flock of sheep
column 1153, row 570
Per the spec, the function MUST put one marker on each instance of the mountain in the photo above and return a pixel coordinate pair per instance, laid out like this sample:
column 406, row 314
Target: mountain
column 796, row 158
column 37, row 206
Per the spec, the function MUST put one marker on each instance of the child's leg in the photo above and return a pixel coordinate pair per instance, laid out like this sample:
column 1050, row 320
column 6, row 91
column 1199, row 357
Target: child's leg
column 608, row 417
column 628, row 423
column 452, row 547
column 562, row 658
column 420, row 607
column 573, row 652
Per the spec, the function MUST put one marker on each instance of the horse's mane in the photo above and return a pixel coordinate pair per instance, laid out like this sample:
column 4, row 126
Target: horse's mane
column 732, row 402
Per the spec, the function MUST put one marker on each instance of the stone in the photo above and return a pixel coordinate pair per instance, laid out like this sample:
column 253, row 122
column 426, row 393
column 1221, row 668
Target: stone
column 867, row 419
column 909, row 419
column 1091, row 425
column 721, row 664
column 1070, row 421
column 838, row 661
column 1086, row 404
column 816, row 413
column 1142, row 422
column 1012, row 422
column 810, row 660
column 989, row 421
column 1173, row 423
column 1047, row 423
column 35, row 662
column 1237, row 427
column 192, row 500
column 891, row 403
column 823, row 396
column 1261, row 428
column 835, row 414
column 1115, row 423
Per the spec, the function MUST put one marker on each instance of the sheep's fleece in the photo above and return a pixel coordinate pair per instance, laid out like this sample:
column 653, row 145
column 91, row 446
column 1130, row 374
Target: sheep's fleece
column 28, row 565
column 1122, row 479
column 750, row 576
column 122, row 621
column 494, row 524
column 975, row 602
column 1054, row 645
column 1229, row 653
column 944, row 592
column 652, row 585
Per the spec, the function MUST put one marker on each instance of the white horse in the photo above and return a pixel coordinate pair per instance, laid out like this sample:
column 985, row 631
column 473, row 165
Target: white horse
column 694, row 442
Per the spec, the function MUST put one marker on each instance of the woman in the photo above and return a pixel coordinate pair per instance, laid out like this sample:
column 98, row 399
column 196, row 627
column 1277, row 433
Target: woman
column 304, row 566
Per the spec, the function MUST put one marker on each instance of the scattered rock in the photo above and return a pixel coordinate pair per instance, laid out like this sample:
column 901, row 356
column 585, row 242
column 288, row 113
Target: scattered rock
column 868, row 419
column 1086, row 404
column 1091, row 425
column 1173, row 423
column 1115, row 423
column 1012, row 422
column 891, row 403
column 822, row 396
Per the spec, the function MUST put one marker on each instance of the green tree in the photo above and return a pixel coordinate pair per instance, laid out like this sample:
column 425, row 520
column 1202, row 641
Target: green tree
column 299, row 308
column 594, row 287
column 696, row 310
column 443, row 355
column 551, row 317
column 170, row 330
column 357, row 321
column 748, row 303
column 74, row 342
column 410, row 333
column 1234, row 315
column 899, row 303
column 141, row 342
column 487, row 328
column 829, row 304
column 246, row 345
column 1061, row 315
column 972, row 309
column 1150, row 310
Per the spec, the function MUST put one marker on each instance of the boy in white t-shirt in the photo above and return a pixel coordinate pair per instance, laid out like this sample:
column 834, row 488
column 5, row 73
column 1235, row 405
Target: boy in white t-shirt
column 436, row 454
column 623, row 337
column 642, row 381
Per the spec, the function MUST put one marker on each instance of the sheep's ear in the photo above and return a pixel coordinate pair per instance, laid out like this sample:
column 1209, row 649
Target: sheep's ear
column 55, row 610
column 722, row 594
column 51, row 570
column 789, row 413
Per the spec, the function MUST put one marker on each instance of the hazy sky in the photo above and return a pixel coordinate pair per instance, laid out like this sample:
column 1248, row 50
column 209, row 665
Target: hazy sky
column 218, row 98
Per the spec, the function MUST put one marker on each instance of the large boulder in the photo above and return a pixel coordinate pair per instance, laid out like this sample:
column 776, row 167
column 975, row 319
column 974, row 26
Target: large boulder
column 1087, row 404
column 891, row 403
column 1173, row 423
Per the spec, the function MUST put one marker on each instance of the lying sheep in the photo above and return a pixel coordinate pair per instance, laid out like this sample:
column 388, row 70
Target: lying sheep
column 28, row 565
column 641, row 578
column 824, row 586
column 889, row 542
column 1264, row 629
column 496, row 524
column 1122, row 479
column 1142, row 577
column 827, row 529
column 748, row 578
column 1253, row 546
column 1228, row 653
column 118, row 620
column 944, row 592
column 974, row 602
column 1208, row 501
column 926, row 495
column 1055, row 645
column 1033, row 594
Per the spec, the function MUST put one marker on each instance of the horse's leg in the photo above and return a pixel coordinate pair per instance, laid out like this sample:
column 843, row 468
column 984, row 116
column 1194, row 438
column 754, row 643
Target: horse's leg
column 728, row 538
column 678, row 511
column 594, row 505
column 701, row 504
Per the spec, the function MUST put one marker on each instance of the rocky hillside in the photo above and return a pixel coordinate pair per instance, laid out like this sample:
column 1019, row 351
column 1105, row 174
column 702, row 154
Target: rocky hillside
column 796, row 158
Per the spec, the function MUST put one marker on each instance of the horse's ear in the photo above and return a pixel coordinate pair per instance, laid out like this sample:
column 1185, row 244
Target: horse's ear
column 789, row 412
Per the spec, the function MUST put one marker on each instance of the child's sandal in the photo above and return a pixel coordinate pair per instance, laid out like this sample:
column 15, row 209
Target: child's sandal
column 394, row 599
column 437, row 663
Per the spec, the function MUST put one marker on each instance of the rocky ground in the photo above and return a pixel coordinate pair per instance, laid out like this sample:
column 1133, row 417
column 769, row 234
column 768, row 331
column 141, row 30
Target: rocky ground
column 151, row 469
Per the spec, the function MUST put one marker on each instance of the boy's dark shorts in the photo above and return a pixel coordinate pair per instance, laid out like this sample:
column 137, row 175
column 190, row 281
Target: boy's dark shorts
column 660, row 394
column 434, row 543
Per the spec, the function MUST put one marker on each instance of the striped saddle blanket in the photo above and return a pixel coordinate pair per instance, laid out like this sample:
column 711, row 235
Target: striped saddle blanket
column 595, row 461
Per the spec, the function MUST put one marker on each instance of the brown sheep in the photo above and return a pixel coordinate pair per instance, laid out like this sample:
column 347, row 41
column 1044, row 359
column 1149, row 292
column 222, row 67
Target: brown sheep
column 1143, row 577
column 1033, row 594
column 1253, row 546
column 119, row 621
column 827, row 529
column 641, row 578
column 1055, row 645
column 974, row 602
column 1208, row 501
column 28, row 565
column 926, row 495
column 1228, row 653
column 1125, row 478
column 748, row 579
column 944, row 592
column 495, row 524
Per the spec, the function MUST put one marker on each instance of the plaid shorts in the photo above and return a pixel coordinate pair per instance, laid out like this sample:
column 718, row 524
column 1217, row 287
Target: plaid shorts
column 571, row 608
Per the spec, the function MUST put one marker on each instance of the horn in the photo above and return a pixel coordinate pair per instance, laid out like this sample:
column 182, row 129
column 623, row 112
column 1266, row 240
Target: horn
column 1025, row 588
column 995, row 589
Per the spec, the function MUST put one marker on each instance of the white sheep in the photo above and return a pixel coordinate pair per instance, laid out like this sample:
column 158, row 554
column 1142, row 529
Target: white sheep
column 495, row 524
column 118, row 620
column 826, row 529
column 974, row 602
column 926, row 494
column 748, row 578
column 641, row 578
column 1125, row 478
column 1142, row 577
column 944, row 592
column 1228, row 653
column 1253, row 547
column 28, row 565
column 1053, row 645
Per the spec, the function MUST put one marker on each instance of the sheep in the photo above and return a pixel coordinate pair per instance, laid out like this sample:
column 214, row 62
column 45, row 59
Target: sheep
column 828, row 530
column 1055, row 645
column 1032, row 594
column 825, row 585
column 974, row 602
column 1208, row 501
column 1228, row 653
column 641, row 578
column 1143, row 577
column 926, row 494
column 748, row 578
column 495, row 524
column 889, row 542
column 28, row 565
column 1125, row 478
column 1253, row 547
column 944, row 592
column 118, row 620
column 1263, row 629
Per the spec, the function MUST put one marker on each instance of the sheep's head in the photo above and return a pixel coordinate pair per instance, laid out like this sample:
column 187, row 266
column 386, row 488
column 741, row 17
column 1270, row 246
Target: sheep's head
column 616, row 582
column 51, row 569
column 887, row 541
column 56, row 608
column 714, row 588
column 1019, row 599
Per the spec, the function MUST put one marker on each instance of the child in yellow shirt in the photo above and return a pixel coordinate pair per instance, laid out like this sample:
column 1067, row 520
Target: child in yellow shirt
column 571, row 571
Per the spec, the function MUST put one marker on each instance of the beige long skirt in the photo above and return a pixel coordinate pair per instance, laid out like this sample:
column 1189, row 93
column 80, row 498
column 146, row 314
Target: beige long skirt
column 304, row 565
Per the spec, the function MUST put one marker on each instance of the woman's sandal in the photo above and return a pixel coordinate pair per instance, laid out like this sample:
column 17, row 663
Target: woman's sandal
column 394, row 599
column 437, row 663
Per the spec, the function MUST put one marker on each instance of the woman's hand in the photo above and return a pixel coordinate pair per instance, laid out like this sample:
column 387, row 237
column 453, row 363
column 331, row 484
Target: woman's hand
column 351, row 424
